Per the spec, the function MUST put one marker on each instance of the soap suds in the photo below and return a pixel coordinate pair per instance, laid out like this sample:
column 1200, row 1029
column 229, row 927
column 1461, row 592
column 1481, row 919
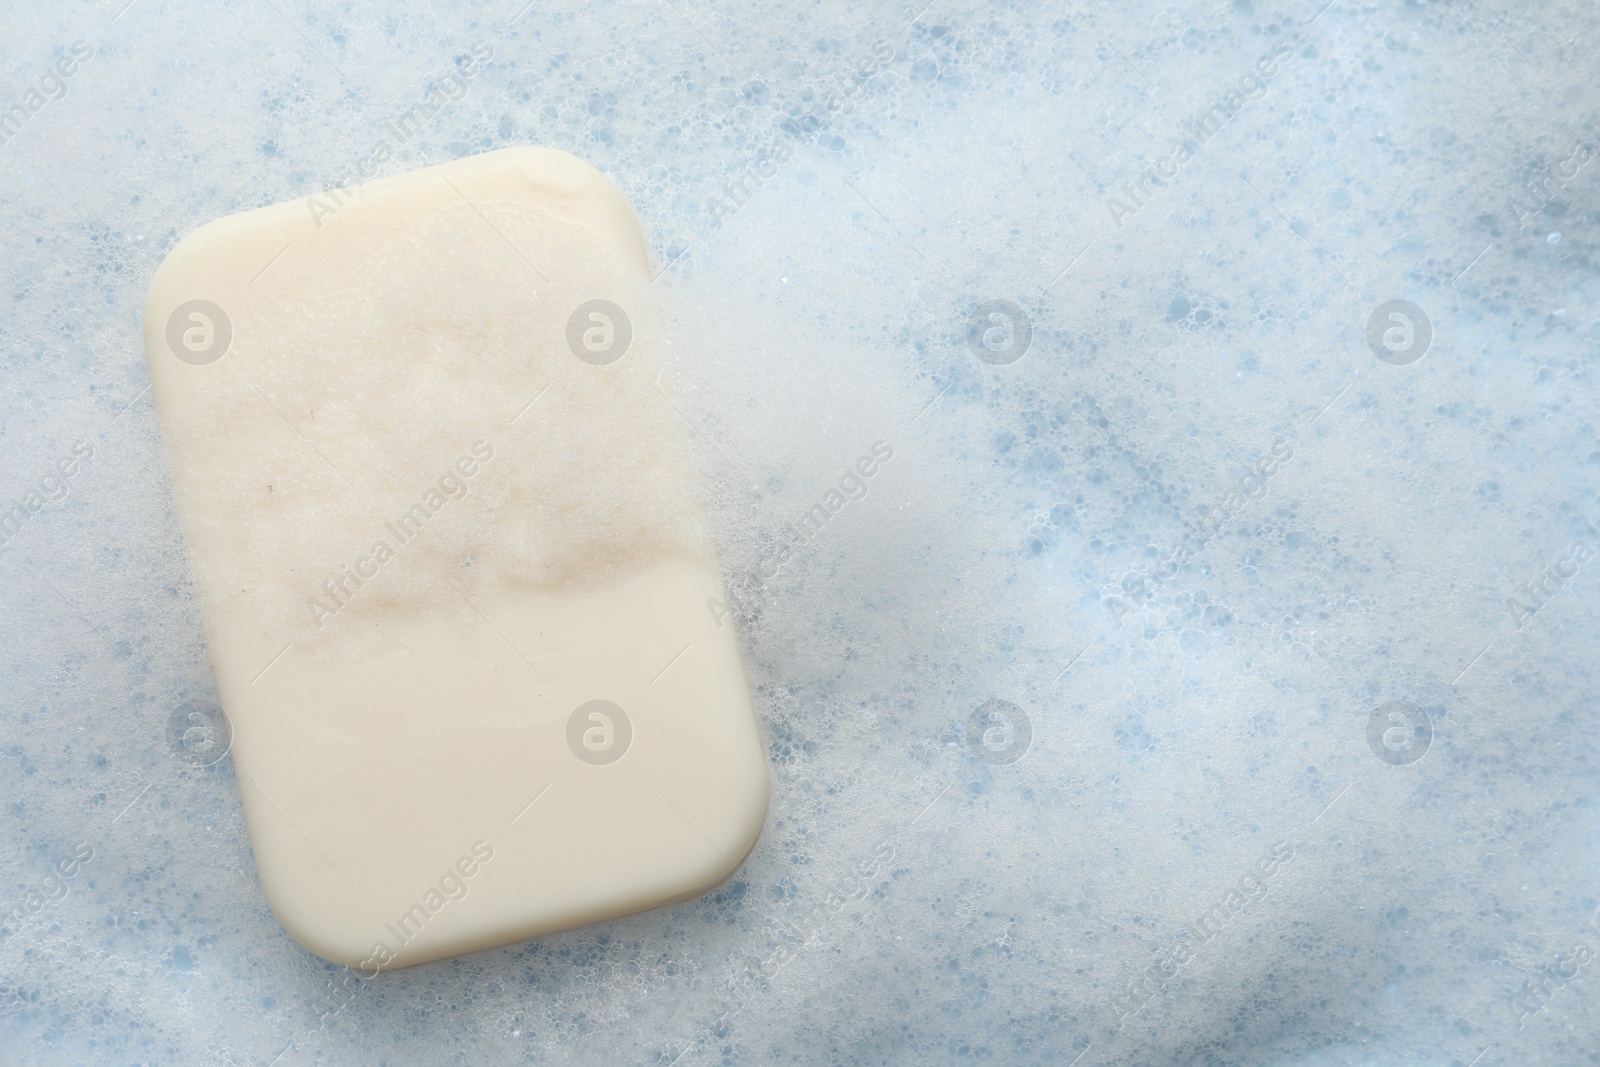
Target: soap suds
column 1396, row 155
column 437, row 351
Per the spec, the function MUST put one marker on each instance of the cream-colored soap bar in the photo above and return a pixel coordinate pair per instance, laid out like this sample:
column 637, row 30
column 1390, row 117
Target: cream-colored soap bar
column 457, row 589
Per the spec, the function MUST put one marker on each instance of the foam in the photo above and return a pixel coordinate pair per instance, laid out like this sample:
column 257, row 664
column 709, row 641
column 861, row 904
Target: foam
column 1167, row 753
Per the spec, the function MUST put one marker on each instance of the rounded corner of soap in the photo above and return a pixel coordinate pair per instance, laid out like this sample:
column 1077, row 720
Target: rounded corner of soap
column 719, row 870
column 738, row 831
column 594, row 198
column 751, row 835
column 554, row 169
column 183, row 260
column 188, row 248
column 320, row 942
column 750, row 818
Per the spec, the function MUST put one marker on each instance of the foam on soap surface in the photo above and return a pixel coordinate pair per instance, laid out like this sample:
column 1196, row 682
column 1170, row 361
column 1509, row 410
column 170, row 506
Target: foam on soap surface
column 1181, row 728
column 567, row 484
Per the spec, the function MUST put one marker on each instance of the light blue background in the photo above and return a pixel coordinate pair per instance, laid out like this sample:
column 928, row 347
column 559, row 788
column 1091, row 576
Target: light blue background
column 910, row 902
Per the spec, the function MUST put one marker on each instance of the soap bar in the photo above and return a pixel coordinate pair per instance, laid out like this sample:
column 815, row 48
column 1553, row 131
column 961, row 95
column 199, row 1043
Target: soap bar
column 458, row 593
